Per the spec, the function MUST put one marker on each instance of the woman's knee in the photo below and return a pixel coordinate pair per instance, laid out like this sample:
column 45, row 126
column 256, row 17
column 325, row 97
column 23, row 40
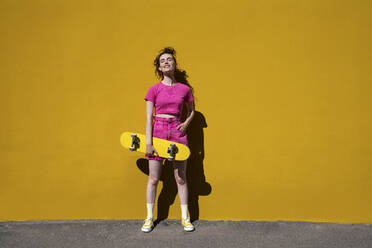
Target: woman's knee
column 153, row 180
column 181, row 180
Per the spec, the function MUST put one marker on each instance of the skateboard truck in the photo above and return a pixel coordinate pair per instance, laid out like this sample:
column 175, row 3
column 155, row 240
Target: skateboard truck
column 135, row 142
column 172, row 150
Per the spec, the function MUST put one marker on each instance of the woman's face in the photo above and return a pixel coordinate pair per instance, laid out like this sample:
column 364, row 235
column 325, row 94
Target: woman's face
column 167, row 63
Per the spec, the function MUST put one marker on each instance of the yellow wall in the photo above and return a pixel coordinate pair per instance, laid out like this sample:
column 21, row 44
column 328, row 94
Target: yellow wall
column 284, row 87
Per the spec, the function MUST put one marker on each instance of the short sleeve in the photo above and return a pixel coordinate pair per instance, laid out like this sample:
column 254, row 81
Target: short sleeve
column 189, row 97
column 150, row 96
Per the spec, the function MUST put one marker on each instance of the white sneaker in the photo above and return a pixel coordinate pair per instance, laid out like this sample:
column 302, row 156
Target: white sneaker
column 148, row 225
column 187, row 226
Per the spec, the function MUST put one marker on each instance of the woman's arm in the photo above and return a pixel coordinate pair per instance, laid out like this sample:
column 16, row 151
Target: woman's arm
column 190, row 113
column 149, row 113
column 150, row 149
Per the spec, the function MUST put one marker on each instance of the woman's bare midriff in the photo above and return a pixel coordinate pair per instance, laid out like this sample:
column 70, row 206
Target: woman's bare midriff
column 166, row 115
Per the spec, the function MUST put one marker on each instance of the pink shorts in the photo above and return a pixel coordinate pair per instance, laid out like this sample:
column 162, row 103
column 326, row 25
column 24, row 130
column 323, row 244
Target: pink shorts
column 166, row 128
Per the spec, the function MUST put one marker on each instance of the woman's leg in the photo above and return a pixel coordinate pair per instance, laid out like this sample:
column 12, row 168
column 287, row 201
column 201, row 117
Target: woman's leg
column 183, row 193
column 152, row 183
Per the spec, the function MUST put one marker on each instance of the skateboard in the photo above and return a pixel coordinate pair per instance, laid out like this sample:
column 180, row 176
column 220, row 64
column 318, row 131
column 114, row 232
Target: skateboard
column 166, row 149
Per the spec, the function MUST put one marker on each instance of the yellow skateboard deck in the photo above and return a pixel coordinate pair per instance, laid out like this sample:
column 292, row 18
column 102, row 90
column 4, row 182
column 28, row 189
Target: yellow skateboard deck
column 166, row 149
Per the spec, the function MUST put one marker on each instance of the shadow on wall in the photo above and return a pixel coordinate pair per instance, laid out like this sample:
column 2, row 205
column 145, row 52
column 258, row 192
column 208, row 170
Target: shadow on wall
column 196, row 181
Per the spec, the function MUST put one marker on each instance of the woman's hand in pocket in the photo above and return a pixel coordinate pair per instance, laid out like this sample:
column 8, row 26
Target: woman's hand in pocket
column 182, row 127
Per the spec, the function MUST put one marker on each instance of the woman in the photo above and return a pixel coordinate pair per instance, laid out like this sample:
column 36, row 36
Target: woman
column 167, row 97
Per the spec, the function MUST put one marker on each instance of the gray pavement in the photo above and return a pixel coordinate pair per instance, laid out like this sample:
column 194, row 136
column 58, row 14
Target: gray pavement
column 169, row 233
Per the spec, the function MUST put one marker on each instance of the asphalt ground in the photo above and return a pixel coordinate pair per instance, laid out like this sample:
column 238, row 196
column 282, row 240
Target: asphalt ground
column 169, row 233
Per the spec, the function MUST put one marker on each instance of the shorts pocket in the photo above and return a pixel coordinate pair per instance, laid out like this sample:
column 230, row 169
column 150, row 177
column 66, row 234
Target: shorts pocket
column 158, row 130
column 178, row 131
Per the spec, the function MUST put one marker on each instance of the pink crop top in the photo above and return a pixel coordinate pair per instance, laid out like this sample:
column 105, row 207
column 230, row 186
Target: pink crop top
column 169, row 99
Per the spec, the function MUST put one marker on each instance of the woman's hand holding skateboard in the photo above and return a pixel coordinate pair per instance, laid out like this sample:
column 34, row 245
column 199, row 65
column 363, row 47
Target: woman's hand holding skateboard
column 150, row 150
